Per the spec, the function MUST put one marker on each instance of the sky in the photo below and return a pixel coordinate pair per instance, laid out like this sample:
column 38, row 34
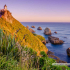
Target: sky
column 38, row 10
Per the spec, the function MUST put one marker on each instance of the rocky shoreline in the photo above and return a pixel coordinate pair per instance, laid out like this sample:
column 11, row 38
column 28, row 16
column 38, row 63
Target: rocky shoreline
column 57, row 59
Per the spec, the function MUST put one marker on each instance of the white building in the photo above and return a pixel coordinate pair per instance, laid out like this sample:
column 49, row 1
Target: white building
column 5, row 7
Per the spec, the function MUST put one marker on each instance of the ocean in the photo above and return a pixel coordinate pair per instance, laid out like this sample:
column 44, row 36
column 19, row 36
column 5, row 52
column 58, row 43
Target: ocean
column 63, row 33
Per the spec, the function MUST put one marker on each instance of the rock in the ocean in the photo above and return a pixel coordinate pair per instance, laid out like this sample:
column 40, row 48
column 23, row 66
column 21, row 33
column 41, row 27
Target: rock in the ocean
column 31, row 30
column 65, row 37
column 27, row 27
column 47, row 41
column 55, row 40
column 33, row 26
column 68, row 51
column 39, row 28
column 47, row 31
column 55, row 32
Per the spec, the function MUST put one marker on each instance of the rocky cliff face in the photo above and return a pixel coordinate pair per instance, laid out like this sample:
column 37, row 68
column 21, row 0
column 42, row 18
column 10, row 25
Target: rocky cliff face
column 6, row 15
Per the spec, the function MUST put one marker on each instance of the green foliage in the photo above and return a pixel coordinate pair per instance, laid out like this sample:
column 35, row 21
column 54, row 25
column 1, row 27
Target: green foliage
column 43, row 54
column 41, row 62
column 45, row 63
column 7, row 46
column 9, row 64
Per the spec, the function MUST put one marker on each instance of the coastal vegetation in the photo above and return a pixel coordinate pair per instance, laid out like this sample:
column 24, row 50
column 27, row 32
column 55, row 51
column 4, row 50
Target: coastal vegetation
column 13, row 56
column 39, row 36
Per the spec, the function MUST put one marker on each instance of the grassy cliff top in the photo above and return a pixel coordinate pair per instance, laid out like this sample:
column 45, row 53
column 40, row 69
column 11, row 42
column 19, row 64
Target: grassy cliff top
column 39, row 36
column 22, row 34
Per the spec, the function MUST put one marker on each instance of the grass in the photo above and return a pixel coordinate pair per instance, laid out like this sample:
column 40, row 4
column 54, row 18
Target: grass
column 39, row 36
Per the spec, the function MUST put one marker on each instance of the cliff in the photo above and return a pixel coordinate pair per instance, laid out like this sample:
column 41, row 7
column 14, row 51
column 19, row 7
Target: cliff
column 11, row 26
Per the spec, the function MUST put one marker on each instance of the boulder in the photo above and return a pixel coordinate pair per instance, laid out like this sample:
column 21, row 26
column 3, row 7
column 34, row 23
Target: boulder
column 44, row 42
column 31, row 30
column 33, row 26
column 68, row 51
column 55, row 32
column 47, row 31
column 55, row 40
column 47, row 41
column 49, row 53
column 65, row 37
column 27, row 27
column 39, row 28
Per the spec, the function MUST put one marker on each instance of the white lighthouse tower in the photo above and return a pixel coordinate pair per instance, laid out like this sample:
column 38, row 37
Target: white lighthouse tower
column 5, row 7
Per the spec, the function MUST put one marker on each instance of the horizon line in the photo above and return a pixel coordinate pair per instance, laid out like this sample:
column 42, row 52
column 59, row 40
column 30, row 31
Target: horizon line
column 54, row 22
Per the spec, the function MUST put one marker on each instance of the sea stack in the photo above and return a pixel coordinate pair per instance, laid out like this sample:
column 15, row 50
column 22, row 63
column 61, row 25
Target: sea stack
column 39, row 28
column 32, row 26
column 47, row 31
column 55, row 40
column 55, row 32
column 68, row 51
column 27, row 27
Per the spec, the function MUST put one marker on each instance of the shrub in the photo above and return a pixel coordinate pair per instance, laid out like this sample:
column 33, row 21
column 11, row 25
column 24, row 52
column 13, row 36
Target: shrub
column 43, row 54
column 41, row 62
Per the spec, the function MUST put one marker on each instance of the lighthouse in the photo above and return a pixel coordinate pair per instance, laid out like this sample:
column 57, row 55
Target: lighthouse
column 5, row 7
